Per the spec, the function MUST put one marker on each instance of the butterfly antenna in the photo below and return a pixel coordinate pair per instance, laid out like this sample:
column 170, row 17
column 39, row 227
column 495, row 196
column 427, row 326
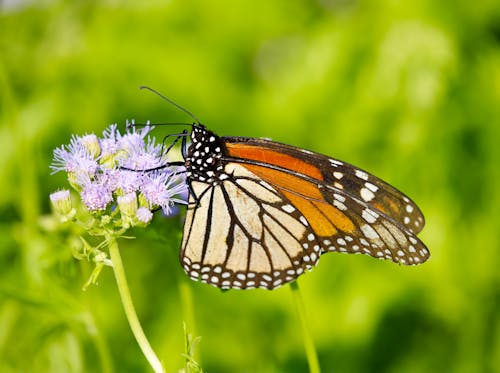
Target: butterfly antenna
column 171, row 102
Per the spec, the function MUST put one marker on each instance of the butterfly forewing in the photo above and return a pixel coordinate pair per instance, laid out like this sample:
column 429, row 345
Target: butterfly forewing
column 337, row 174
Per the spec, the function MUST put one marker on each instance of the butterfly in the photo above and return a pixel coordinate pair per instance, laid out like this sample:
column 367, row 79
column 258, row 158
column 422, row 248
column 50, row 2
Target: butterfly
column 262, row 213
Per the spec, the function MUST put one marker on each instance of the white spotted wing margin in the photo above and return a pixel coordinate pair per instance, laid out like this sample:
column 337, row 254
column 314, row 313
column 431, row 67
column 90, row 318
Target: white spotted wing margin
column 244, row 234
column 372, row 233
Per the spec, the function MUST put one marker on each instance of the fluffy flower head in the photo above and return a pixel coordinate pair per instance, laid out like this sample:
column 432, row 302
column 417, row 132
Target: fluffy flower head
column 117, row 170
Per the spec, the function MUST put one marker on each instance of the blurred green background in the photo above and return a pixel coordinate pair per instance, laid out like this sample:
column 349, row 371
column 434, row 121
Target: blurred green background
column 407, row 90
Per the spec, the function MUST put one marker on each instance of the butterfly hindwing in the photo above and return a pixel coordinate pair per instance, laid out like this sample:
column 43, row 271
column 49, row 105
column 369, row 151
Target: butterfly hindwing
column 243, row 233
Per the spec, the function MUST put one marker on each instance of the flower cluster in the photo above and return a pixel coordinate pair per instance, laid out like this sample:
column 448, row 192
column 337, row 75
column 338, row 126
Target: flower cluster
column 121, row 179
column 126, row 172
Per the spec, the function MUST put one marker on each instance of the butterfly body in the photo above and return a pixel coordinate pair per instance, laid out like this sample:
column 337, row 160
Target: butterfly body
column 203, row 158
column 262, row 213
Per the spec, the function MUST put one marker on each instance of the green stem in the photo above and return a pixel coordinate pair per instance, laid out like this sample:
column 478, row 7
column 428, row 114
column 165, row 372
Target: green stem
column 189, row 317
column 128, row 306
column 312, row 356
column 187, row 306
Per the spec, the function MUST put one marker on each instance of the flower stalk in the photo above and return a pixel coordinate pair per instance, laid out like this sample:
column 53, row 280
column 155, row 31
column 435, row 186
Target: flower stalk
column 312, row 356
column 128, row 305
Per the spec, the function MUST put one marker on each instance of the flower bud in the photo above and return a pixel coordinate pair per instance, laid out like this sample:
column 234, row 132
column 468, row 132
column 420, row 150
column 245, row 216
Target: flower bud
column 144, row 215
column 128, row 204
column 91, row 145
column 61, row 202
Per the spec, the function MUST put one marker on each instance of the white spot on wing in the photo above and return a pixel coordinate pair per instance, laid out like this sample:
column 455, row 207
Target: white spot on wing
column 241, row 276
column 361, row 174
column 267, row 277
column 338, row 175
column 338, row 197
column 368, row 217
column 366, row 194
column 335, row 163
column 339, row 205
column 372, row 187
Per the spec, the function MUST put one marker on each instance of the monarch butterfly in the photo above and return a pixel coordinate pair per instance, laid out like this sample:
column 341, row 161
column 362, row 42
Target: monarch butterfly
column 262, row 213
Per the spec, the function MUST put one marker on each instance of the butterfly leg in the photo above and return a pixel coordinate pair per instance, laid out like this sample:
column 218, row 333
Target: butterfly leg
column 177, row 136
column 196, row 201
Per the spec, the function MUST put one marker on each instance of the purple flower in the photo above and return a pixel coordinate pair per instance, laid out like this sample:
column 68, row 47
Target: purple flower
column 130, row 180
column 133, row 140
column 139, row 152
column 96, row 196
column 102, row 169
column 109, row 177
column 163, row 189
column 109, row 146
column 74, row 158
column 110, row 133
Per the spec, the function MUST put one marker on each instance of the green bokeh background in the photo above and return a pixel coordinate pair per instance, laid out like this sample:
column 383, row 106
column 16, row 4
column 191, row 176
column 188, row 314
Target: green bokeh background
column 407, row 90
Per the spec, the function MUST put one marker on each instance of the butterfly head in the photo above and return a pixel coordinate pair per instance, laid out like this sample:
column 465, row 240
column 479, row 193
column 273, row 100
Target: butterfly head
column 203, row 158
